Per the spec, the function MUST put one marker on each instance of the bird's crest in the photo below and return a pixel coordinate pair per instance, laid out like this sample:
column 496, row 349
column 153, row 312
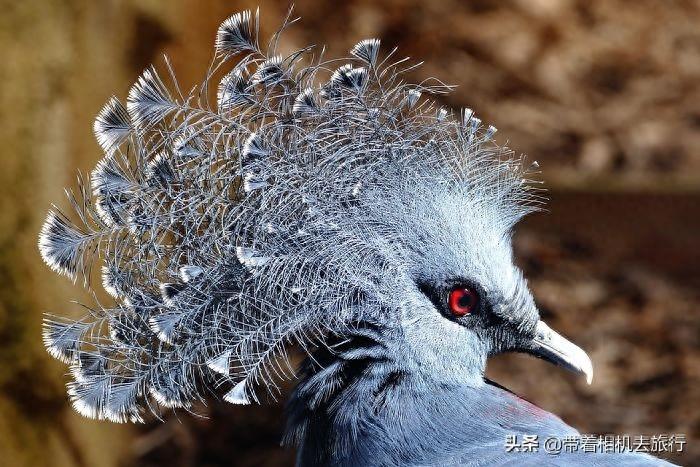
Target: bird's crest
column 217, row 229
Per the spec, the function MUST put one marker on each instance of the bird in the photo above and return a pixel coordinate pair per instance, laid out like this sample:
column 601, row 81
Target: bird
column 294, row 203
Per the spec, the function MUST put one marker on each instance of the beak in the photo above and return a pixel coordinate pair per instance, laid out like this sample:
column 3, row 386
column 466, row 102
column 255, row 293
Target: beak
column 553, row 347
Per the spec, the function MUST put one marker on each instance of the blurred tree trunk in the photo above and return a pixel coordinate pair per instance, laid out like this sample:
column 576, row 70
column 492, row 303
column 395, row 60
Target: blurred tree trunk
column 61, row 62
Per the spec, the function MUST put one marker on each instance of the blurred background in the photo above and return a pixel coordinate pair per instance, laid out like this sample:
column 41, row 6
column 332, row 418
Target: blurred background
column 604, row 94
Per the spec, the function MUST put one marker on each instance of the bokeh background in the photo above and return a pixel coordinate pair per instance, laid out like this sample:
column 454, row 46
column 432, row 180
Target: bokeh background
column 604, row 94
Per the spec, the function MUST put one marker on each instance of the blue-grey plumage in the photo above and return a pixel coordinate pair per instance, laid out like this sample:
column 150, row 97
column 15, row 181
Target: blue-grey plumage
column 331, row 207
column 369, row 409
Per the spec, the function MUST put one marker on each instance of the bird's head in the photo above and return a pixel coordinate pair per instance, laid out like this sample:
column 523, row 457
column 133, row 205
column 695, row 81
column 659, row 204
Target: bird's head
column 430, row 248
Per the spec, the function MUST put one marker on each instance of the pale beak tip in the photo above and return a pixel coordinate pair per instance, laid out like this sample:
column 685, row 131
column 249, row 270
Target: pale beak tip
column 585, row 365
column 588, row 371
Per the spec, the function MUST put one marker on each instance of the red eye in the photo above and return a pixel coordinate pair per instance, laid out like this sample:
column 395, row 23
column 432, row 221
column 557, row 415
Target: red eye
column 463, row 301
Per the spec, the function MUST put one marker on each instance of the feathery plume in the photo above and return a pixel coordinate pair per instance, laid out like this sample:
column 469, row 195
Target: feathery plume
column 112, row 126
column 221, row 363
column 190, row 273
column 62, row 244
column 234, row 90
column 149, row 101
column 305, row 104
column 236, row 34
column 269, row 72
column 367, row 50
column 238, row 394
column 63, row 338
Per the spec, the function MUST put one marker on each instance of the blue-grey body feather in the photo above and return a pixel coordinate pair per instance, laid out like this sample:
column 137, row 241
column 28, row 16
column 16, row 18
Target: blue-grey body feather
column 373, row 411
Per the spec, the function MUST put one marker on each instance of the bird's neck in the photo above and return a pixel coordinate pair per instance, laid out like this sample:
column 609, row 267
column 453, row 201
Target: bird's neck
column 350, row 392
column 358, row 404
